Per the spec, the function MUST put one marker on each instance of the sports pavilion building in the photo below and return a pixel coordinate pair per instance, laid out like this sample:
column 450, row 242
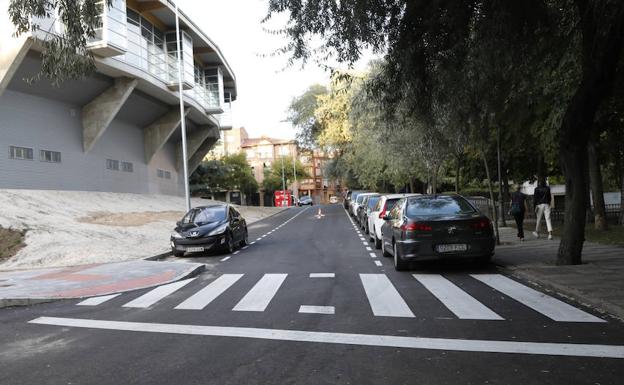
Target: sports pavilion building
column 118, row 130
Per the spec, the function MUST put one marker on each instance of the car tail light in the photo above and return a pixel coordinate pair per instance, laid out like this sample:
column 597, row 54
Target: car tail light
column 481, row 224
column 415, row 226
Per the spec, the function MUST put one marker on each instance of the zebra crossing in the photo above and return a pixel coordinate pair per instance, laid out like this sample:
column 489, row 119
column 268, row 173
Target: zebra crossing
column 383, row 297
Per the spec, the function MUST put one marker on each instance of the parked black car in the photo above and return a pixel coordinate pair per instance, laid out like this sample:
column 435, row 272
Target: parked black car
column 364, row 210
column 207, row 228
column 347, row 198
column 305, row 200
column 430, row 227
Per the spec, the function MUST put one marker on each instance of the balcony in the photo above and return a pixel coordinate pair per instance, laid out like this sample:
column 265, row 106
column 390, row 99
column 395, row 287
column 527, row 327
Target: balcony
column 225, row 119
column 111, row 38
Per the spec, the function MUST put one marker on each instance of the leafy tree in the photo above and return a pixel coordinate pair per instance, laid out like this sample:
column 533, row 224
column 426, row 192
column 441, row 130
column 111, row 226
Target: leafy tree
column 289, row 173
column 301, row 113
column 488, row 42
column 231, row 172
column 66, row 56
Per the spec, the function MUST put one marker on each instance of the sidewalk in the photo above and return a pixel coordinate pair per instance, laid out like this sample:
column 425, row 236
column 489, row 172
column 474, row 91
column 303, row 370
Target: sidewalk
column 597, row 283
column 27, row 287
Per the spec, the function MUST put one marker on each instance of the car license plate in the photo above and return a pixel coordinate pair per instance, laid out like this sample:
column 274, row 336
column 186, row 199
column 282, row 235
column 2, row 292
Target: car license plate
column 451, row 248
column 194, row 249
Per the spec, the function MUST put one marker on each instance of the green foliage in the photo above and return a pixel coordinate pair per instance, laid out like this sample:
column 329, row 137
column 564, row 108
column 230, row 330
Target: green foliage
column 63, row 57
column 272, row 180
column 231, row 172
column 301, row 113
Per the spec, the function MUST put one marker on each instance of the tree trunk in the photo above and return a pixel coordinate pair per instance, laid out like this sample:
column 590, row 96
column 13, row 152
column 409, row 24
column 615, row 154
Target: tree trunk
column 602, row 30
column 595, row 178
column 411, row 185
column 491, row 190
column 457, row 171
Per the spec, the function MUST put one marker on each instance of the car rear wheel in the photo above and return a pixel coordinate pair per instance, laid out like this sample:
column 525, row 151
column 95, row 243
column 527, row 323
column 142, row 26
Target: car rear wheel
column 384, row 252
column 376, row 240
column 399, row 264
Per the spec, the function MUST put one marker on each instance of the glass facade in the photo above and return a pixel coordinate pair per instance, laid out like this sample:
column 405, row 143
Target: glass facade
column 110, row 39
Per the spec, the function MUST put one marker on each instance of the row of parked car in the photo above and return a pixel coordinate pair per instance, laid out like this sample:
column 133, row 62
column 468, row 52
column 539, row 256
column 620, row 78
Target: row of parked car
column 415, row 227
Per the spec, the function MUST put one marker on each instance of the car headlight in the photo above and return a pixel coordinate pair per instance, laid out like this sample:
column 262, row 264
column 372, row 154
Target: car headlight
column 175, row 234
column 219, row 230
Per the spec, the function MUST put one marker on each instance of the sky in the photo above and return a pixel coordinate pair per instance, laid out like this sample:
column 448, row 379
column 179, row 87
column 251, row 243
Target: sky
column 266, row 85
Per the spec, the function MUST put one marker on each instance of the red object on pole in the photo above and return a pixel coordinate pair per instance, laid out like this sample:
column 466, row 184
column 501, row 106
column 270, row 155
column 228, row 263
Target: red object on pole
column 282, row 198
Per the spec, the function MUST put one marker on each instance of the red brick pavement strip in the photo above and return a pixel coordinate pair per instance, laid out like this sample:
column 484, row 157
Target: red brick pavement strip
column 136, row 283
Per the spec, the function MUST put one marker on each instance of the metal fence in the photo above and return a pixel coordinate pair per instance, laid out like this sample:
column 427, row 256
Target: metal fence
column 556, row 214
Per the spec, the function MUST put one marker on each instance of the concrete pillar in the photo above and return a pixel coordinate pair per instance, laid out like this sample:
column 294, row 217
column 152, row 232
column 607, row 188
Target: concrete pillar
column 194, row 142
column 199, row 155
column 12, row 49
column 158, row 133
column 100, row 112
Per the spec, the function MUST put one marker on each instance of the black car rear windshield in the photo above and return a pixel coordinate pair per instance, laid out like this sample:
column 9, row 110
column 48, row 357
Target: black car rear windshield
column 438, row 206
column 210, row 214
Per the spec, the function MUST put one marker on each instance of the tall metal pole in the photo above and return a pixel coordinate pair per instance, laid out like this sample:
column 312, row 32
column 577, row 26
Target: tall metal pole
column 295, row 176
column 187, row 195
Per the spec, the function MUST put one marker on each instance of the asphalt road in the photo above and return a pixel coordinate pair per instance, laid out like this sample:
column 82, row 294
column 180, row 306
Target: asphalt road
column 307, row 303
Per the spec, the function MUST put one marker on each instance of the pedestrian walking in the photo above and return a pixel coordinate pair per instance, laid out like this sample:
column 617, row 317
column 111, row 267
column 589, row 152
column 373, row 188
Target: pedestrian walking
column 542, row 199
column 518, row 209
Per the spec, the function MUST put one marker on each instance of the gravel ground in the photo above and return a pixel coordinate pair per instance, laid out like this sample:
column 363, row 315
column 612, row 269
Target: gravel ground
column 66, row 228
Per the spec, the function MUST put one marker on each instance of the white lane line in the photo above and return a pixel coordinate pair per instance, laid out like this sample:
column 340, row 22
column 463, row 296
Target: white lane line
column 382, row 296
column 317, row 309
column 264, row 235
column 258, row 298
column 322, row 275
column 378, row 263
column 448, row 344
column 206, row 295
column 362, row 239
column 253, row 243
column 368, row 248
column 155, row 295
column 542, row 303
column 372, row 255
column 225, row 259
column 364, row 243
column 258, row 239
column 94, row 301
column 236, row 252
column 245, row 247
column 455, row 299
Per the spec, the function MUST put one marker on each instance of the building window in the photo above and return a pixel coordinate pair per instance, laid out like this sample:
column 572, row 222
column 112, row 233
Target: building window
column 24, row 153
column 127, row 167
column 163, row 174
column 50, row 156
column 112, row 164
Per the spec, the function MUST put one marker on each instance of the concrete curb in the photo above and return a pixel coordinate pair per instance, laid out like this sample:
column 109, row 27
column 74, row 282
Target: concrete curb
column 13, row 302
column 570, row 294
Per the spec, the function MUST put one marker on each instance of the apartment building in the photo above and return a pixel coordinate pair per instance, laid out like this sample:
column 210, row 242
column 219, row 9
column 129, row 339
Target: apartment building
column 118, row 129
column 319, row 186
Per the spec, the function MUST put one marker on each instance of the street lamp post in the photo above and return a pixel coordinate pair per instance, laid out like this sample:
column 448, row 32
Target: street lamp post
column 283, row 178
column 187, row 196
column 295, row 192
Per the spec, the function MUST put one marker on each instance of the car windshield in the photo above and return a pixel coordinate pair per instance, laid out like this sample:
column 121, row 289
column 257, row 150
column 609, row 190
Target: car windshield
column 438, row 206
column 210, row 214
column 372, row 201
column 306, row 198
column 390, row 203
column 360, row 198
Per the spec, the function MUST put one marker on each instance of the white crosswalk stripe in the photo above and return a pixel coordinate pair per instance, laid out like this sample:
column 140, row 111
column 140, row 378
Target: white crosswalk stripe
column 94, row 301
column 383, row 297
column 542, row 303
column 209, row 293
column 258, row 298
column 155, row 295
column 455, row 299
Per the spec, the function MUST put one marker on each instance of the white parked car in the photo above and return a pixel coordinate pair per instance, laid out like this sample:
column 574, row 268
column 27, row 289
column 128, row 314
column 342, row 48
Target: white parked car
column 375, row 218
column 358, row 201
